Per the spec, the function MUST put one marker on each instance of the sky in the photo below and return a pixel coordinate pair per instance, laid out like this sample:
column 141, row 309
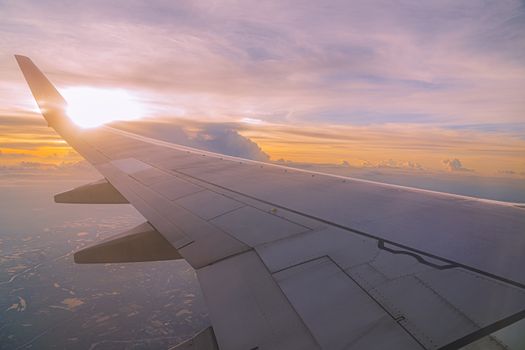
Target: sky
column 430, row 88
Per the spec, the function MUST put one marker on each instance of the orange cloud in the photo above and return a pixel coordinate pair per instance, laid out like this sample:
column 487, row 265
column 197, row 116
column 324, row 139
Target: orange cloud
column 403, row 146
column 26, row 139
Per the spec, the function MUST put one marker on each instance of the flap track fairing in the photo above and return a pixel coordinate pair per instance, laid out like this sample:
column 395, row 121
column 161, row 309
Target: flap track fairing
column 99, row 192
column 142, row 243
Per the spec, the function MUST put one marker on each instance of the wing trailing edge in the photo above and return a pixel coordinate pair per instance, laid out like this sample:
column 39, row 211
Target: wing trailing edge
column 204, row 340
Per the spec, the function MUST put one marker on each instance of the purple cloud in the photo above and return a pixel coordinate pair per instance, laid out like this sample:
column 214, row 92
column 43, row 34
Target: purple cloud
column 349, row 61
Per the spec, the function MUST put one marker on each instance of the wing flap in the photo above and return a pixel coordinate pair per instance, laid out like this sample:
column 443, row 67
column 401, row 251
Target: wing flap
column 247, row 308
column 357, row 321
column 437, row 304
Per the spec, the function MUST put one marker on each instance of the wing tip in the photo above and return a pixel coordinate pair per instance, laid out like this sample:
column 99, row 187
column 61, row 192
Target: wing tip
column 21, row 58
column 51, row 103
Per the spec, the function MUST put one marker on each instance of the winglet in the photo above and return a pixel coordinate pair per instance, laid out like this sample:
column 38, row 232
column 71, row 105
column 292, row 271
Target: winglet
column 51, row 103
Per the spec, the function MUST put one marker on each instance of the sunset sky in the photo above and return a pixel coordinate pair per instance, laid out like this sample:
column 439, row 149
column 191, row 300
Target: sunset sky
column 431, row 87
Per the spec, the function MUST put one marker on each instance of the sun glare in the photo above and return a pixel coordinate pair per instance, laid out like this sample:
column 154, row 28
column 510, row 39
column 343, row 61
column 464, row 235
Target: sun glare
column 89, row 107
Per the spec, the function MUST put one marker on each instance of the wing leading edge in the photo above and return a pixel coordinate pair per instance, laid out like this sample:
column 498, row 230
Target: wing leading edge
column 295, row 260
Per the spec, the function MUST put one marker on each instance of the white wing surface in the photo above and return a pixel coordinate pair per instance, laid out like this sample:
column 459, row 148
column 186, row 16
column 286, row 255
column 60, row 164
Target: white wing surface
column 290, row 259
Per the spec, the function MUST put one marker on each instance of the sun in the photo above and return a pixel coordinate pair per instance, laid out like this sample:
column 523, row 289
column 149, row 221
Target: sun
column 90, row 107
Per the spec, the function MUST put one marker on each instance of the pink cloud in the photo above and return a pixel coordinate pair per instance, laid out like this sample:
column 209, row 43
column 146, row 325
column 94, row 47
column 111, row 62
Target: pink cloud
column 449, row 63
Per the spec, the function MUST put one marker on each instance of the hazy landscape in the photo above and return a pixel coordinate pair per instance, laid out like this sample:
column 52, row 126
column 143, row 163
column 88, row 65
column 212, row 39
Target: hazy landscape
column 49, row 302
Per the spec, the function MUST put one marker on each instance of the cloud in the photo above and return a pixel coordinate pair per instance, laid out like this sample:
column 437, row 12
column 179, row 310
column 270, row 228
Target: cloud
column 28, row 131
column 77, row 169
column 438, row 62
column 6, row 155
column 511, row 172
column 410, row 146
column 216, row 137
column 226, row 140
column 346, row 168
column 26, row 165
column 455, row 165
column 329, row 167
column 32, row 165
column 370, row 81
column 21, row 119
column 390, row 163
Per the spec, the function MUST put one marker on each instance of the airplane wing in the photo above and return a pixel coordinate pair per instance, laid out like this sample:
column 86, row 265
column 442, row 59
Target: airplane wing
column 291, row 259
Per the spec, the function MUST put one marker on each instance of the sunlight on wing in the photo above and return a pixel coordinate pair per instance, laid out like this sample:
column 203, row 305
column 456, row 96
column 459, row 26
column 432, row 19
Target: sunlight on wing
column 90, row 107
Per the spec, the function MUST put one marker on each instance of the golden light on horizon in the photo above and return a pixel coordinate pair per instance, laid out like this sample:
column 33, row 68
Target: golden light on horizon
column 90, row 107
